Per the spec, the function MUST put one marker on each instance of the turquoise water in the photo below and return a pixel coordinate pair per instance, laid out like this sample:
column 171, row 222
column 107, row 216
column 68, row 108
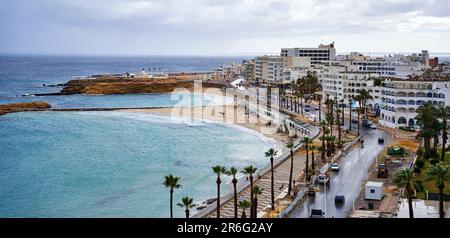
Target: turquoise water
column 112, row 164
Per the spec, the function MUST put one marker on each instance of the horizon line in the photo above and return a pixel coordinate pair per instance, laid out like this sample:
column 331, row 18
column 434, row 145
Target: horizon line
column 243, row 54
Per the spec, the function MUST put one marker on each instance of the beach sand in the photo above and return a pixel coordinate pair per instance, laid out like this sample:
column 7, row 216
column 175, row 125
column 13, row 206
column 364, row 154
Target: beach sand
column 232, row 116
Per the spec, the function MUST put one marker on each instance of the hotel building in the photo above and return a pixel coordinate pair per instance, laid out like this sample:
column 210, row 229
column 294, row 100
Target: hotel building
column 317, row 55
column 401, row 98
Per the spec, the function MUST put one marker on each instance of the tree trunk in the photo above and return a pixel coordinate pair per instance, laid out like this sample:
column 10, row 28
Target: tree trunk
column 410, row 204
column 187, row 213
column 323, row 145
column 291, row 172
column 441, row 202
column 427, row 143
column 307, row 163
column 243, row 214
column 358, row 122
column 444, row 138
column 218, row 197
column 350, row 115
column 235, row 198
column 435, row 141
column 256, row 206
column 251, row 196
column 320, row 110
column 272, row 185
column 312, row 161
column 171, row 203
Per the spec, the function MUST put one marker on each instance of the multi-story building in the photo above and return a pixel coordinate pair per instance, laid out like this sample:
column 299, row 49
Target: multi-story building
column 268, row 69
column 400, row 98
column 339, row 82
column 249, row 70
column 317, row 55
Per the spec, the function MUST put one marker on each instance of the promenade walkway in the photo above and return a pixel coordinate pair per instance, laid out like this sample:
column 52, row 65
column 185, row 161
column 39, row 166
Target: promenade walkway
column 281, row 181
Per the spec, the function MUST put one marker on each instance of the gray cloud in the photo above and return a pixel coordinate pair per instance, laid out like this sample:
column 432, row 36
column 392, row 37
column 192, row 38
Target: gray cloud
column 217, row 26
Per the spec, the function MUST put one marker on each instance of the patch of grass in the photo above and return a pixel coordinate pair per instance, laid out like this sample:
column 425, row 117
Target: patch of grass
column 430, row 185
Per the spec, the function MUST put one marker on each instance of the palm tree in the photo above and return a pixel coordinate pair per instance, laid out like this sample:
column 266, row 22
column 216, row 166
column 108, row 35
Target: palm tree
column 250, row 170
column 232, row 172
column 333, row 144
column 364, row 96
column 338, row 124
column 312, row 148
column 256, row 191
column 171, row 182
column 350, row 114
column 290, row 145
column 218, row 170
column 439, row 174
column 324, row 132
column 443, row 113
column 187, row 203
column 359, row 110
column 270, row 154
column 329, row 147
column 405, row 179
column 320, row 108
column 307, row 141
column 244, row 204
column 426, row 118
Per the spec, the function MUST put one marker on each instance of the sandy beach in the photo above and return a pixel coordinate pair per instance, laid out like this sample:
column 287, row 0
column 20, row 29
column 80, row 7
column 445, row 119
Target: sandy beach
column 222, row 114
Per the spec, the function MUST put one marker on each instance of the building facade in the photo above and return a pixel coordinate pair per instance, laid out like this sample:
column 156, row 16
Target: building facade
column 268, row 69
column 401, row 98
column 317, row 55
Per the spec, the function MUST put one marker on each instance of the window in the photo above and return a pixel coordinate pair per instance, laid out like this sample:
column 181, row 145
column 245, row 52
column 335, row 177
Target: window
column 372, row 190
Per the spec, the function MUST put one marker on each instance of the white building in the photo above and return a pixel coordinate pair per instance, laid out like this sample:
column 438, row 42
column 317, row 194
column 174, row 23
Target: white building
column 400, row 98
column 317, row 55
column 269, row 69
column 340, row 82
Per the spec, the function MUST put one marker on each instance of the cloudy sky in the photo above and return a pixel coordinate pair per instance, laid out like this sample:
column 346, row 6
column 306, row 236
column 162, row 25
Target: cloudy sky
column 221, row 27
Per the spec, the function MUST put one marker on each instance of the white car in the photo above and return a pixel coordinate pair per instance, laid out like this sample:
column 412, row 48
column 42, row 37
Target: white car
column 323, row 178
column 335, row 167
column 373, row 126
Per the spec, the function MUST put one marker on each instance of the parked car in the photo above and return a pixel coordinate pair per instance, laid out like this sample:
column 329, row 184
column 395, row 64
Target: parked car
column 381, row 140
column 317, row 213
column 311, row 190
column 339, row 199
column 335, row 167
column 373, row 126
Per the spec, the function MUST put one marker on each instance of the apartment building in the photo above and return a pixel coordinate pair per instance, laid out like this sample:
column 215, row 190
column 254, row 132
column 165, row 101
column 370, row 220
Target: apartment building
column 317, row 55
column 268, row 69
column 400, row 98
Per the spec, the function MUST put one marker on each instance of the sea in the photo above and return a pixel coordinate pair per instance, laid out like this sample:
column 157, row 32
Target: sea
column 110, row 164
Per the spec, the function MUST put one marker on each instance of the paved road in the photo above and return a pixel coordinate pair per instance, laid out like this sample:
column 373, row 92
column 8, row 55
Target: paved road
column 346, row 182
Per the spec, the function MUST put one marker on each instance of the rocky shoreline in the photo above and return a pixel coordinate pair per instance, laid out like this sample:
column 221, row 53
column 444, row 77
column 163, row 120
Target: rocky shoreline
column 23, row 107
column 102, row 85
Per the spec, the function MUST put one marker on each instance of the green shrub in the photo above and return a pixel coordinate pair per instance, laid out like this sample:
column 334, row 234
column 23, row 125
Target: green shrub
column 434, row 161
column 419, row 186
column 434, row 154
column 420, row 163
column 417, row 170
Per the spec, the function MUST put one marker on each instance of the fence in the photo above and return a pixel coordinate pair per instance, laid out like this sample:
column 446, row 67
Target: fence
column 435, row 197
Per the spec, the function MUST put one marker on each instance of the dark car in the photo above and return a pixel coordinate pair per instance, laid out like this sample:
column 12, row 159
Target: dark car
column 339, row 199
column 317, row 213
column 381, row 140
